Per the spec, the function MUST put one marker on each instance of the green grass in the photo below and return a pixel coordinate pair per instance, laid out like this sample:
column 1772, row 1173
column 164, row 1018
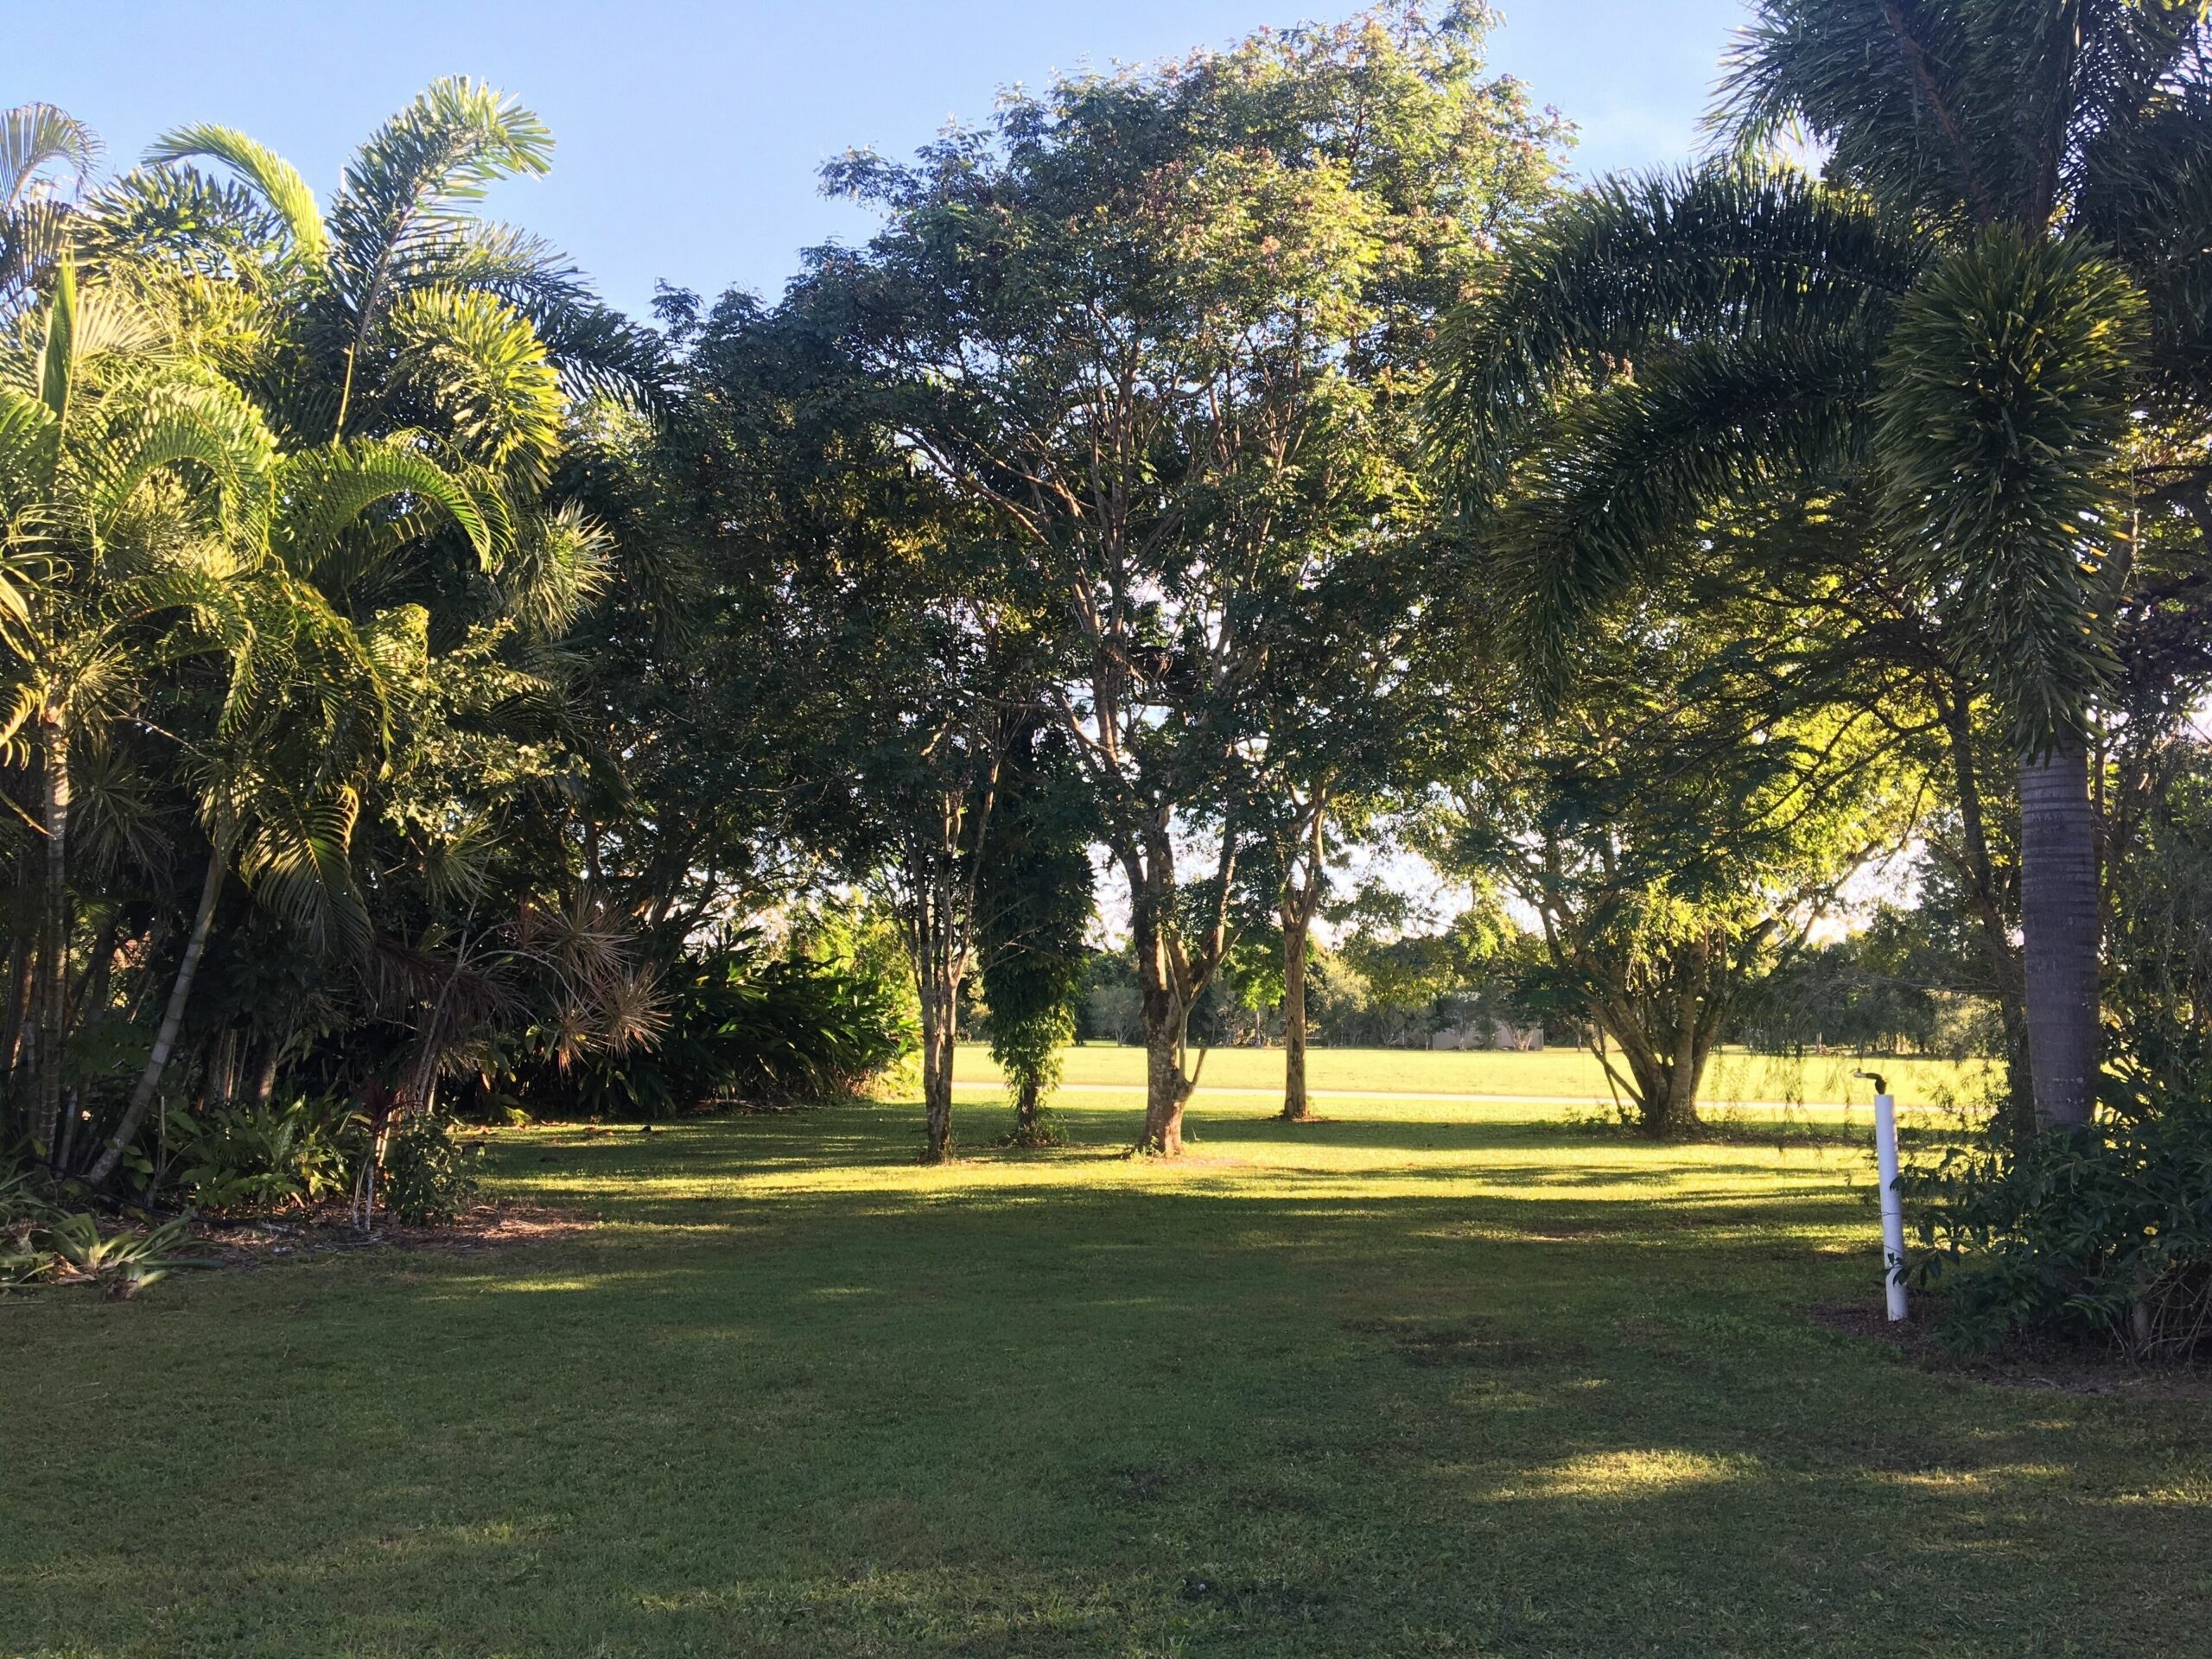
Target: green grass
column 1556, row 1074
column 1427, row 1379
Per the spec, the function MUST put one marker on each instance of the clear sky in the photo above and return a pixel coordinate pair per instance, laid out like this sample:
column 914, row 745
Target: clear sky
column 690, row 131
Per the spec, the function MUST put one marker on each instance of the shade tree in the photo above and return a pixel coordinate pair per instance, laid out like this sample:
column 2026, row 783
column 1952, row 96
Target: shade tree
column 1161, row 323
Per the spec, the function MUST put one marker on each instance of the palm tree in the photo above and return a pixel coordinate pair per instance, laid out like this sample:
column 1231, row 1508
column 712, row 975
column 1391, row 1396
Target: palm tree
column 273, row 442
column 1954, row 344
column 400, row 308
column 307, row 719
column 47, row 157
column 150, row 516
column 122, row 468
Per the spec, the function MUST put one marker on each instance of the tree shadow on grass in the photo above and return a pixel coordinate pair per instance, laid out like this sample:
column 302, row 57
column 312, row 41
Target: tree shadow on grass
column 1145, row 1418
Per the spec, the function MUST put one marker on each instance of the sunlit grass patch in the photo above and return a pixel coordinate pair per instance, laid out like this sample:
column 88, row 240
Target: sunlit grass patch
column 1433, row 1377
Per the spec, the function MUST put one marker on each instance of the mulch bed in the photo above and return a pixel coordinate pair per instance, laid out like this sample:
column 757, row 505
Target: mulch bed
column 2049, row 1366
column 263, row 1241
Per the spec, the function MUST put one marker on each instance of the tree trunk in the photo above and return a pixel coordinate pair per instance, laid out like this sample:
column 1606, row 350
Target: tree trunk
column 939, row 998
column 1989, row 912
column 54, row 931
column 1296, row 1109
column 2059, row 925
column 1167, row 1090
column 149, row 1078
column 91, row 1001
column 265, row 1084
column 1027, row 1106
column 1685, row 1068
column 21, row 962
column 1166, row 1010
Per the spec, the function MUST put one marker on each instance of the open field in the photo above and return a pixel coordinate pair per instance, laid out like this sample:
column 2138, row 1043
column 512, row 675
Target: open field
column 1559, row 1074
column 1416, row 1380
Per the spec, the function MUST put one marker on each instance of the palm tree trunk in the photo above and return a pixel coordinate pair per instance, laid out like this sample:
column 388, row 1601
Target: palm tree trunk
column 22, row 964
column 265, row 1083
column 2059, row 924
column 1996, row 939
column 54, row 942
column 149, row 1078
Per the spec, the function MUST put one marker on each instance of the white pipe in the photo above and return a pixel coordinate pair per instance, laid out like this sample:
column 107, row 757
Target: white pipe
column 1885, row 1155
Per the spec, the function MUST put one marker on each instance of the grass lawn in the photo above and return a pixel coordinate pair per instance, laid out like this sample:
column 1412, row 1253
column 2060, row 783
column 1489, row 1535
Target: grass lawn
column 1562, row 1074
column 1424, row 1379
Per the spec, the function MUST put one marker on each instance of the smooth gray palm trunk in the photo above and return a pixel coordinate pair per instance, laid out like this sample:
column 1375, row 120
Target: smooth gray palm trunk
column 2059, row 925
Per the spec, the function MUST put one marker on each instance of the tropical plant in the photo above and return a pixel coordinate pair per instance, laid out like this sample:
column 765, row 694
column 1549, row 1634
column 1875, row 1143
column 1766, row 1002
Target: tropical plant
column 402, row 716
column 258, row 1156
column 1943, row 360
column 47, row 157
column 120, row 1263
column 738, row 1025
column 2103, row 1233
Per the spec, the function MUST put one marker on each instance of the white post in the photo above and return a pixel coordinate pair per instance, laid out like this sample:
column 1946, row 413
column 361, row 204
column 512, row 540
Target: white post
column 1885, row 1156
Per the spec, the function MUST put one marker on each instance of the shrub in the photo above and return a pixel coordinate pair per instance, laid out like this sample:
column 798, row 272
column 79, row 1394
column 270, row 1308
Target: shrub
column 429, row 1176
column 258, row 1157
column 2102, row 1231
column 71, row 1244
column 741, row 1027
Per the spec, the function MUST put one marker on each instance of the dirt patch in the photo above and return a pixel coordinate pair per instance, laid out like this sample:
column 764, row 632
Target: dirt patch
column 487, row 1226
column 2047, row 1366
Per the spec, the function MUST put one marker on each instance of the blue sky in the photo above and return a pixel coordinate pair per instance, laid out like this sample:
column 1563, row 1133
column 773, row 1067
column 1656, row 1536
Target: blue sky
column 690, row 132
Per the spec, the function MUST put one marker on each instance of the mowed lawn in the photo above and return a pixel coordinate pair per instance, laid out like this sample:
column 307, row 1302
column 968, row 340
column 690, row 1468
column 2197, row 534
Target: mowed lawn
column 1424, row 1379
column 1562, row 1074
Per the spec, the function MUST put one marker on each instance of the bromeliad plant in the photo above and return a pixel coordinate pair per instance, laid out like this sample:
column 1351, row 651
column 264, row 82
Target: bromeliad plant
column 73, row 1249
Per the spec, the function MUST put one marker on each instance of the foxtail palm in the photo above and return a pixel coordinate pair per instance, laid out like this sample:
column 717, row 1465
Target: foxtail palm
column 1952, row 335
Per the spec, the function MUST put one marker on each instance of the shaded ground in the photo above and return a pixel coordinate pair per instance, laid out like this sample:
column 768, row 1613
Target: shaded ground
column 495, row 1224
column 1418, row 1380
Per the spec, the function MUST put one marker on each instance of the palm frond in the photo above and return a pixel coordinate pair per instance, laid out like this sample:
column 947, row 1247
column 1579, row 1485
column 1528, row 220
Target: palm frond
column 2005, row 401
column 598, row 352
column 275, row 180
column 57, row 353
column 476, row 362
column 210, row 425
column 297, row 859
column 36, row 138
column 559, row 560
column 1634, row 471
column 1636, row 264
column 414, row 174
column 320, row 493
